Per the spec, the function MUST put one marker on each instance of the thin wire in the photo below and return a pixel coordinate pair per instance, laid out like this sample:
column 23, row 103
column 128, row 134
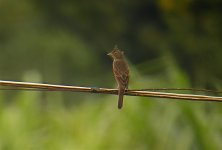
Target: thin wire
column 53, row 87
column 27, row 89
column 177, row 89
column 148, row 89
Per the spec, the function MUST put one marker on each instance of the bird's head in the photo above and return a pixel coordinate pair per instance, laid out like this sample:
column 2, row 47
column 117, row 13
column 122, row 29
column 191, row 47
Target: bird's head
column 116, row 53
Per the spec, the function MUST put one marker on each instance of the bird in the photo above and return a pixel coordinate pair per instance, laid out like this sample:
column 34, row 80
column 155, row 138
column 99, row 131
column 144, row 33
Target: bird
column 121, row 72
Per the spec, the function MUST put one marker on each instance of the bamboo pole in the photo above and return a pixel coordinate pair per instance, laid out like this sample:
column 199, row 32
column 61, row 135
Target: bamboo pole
column 52, row 87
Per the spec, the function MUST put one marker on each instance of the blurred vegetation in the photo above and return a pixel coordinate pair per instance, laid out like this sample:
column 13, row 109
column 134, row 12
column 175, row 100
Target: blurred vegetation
column 168, row 44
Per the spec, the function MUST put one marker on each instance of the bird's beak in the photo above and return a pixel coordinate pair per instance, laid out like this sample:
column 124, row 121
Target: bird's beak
column 109, row 54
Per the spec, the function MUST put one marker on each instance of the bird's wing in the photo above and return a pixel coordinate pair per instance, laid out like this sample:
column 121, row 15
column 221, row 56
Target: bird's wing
column 121, row 72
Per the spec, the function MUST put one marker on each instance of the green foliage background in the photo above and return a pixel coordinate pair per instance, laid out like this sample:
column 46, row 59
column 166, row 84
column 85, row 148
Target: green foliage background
column 168, row 44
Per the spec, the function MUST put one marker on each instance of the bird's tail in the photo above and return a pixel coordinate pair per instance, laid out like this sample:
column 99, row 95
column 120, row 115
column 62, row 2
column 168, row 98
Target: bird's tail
column 120, row 100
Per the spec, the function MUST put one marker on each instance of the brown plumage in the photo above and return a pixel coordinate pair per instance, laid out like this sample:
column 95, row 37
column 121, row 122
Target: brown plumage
column 121, row 73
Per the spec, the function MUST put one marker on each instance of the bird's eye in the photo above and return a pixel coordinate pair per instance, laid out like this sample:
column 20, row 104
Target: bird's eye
column 115, row 52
